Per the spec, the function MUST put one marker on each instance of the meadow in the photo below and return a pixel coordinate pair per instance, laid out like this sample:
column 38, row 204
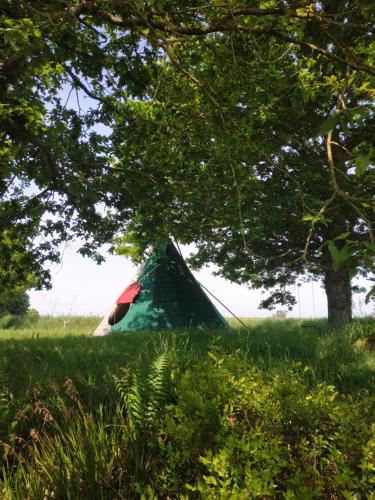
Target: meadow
column 280, row 409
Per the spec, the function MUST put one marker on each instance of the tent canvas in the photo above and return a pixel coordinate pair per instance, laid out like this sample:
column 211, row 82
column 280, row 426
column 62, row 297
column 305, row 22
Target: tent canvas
column 169, row 297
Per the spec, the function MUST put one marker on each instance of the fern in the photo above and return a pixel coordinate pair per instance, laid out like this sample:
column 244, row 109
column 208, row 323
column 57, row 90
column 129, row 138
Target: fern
column 122, row 385
column 144, row 393
column 157, row 384
column 135, row 403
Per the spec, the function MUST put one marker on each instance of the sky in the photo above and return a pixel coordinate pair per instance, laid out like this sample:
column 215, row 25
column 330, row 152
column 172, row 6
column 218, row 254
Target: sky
column 81, row 287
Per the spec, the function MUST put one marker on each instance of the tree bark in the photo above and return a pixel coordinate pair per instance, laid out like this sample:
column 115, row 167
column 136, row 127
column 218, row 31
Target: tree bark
column 339, row 297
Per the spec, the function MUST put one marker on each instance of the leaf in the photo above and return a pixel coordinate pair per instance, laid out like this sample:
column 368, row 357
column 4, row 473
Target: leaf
column 338, row 256
column 362, row 161
column 139, row 4
column 308, row 217
column 329, row 124
column 356, row 114
column 370, row 246
column 335, row 254
column 342, row 236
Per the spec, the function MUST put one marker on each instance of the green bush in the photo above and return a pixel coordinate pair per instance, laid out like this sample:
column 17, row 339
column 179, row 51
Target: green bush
column 16, row 321
column 243, row 435
column 14, row 302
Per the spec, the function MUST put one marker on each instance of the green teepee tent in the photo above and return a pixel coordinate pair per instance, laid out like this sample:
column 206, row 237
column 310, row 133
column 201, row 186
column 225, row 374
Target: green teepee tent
column 164, row 295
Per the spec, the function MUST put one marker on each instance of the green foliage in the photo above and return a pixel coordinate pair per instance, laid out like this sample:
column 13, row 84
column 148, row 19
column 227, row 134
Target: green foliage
column 20, row 269
column 339, row 256
column 282, row 438
column 47, row 167
column 144, row 394
column 276, row 410
column 15, row 302
column 16, row 322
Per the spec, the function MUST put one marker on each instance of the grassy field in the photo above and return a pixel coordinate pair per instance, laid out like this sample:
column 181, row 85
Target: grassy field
column 281, row 409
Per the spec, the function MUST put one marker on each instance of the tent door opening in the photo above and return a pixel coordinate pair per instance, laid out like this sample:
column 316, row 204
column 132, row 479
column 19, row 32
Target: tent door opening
column 118, row 313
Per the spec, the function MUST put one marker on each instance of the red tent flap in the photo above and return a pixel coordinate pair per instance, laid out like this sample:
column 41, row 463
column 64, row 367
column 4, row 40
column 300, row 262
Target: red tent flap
column 129, row 294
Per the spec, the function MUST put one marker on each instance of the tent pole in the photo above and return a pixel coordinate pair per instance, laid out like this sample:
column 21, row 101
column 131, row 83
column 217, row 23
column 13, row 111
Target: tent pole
column 232, row 313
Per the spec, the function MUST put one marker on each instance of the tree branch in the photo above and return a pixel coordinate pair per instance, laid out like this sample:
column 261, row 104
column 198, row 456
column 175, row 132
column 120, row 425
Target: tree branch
column 337, row 189
column 79, row 83
column 227, row 24
column 320, row 50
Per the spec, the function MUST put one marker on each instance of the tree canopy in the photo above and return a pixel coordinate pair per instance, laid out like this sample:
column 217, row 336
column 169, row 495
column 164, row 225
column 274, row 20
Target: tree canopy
column 247, row 128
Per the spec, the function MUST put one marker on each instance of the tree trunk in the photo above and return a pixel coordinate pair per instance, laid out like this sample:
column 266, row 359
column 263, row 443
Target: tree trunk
column 339, row 297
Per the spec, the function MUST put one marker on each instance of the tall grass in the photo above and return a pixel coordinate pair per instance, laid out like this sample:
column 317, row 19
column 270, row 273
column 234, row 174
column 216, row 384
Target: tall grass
column 125, row 415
